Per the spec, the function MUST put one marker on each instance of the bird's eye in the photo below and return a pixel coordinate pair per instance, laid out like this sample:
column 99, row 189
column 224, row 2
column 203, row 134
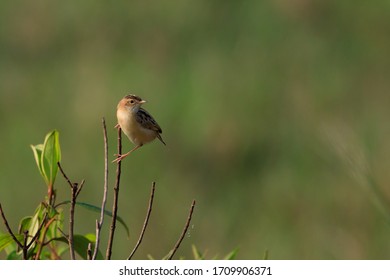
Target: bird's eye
column 132, row 101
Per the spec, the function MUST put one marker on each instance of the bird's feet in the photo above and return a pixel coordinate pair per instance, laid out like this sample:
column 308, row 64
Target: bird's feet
column 119, row 157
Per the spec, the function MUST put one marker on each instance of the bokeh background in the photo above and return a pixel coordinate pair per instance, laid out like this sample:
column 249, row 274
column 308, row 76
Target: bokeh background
column 275, row 113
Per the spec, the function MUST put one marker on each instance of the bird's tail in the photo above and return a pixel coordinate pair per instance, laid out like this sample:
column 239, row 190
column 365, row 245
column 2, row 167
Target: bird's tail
column 160, row 138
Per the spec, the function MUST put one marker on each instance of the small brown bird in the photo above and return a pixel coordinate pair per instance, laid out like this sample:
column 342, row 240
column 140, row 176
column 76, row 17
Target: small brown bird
column 138, row 125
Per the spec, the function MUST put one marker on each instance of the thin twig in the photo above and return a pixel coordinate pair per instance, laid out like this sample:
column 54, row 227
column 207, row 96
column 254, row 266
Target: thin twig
column 75, row 189
column 89, row 251
column 105, row 189
column 54, row 239
column 184, row 231
column 63, row 234
column 8, row 228
column 25, row 249
column 71, row 222
column 63, row 174
column 115, row 203
column 145, row 222
column 80, row 186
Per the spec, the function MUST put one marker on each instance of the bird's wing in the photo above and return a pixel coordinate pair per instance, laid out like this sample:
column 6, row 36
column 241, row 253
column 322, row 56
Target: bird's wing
column 147, row 121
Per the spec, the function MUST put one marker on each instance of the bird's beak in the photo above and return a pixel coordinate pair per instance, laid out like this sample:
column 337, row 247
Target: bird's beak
column 142, row 102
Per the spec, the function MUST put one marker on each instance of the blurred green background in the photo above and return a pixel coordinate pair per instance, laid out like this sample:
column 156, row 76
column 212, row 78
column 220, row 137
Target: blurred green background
column 275, row 113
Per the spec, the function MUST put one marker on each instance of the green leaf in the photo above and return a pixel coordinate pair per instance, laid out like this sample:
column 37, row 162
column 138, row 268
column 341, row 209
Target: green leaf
column 32, row 223
column 91, row 237
column 6, row 240
column 266, row 255
column 47, row 155
column 232, row 255
column 51, row 155
column 37, row 150
column 81, row 246
column 62, row 250
column 13, row 255
column 97, row 209
column 56, row 225
column 37, row 218
column 197, row 254
column 80, row 243
column 34, row 226
column 24, row 224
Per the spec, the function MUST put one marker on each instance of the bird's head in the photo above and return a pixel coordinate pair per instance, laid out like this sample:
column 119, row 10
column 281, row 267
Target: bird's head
column 131, row 102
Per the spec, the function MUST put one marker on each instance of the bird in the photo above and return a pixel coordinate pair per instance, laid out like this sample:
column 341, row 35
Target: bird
column 136, row 123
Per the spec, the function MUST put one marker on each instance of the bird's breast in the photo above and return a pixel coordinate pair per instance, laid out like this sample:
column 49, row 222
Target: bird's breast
column 133, row 130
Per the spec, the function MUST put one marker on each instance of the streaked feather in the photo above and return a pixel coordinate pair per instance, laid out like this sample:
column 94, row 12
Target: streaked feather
column 146, row 120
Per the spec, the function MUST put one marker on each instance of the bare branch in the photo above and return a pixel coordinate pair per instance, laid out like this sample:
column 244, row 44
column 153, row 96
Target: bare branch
column 63, row 234
column 89, row 251
column 184, row 231
column 71, row 222
column 80, row 186
column 25, row 249
column 145, row 222
column 63, row 174
column 8, row 227
column 75, row 190
column 55, row 239
column 105, row 189
column 116, row 194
